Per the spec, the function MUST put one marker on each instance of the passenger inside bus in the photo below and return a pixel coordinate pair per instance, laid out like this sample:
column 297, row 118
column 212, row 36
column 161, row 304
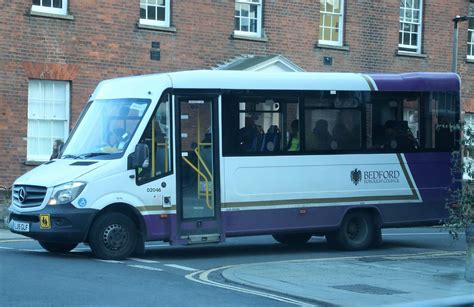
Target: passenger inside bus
column 271, row 139
column 398, row 136
column 294, row 139
column 323, row 138
column 250, row 136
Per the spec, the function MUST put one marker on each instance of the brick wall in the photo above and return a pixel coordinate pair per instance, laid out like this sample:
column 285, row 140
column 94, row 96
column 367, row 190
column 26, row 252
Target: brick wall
column 103, row 41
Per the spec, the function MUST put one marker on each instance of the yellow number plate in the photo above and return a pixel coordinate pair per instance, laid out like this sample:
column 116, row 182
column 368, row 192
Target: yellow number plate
column 45, row 221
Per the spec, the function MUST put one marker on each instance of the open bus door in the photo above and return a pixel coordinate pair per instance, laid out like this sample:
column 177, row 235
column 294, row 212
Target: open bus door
column 198, row 191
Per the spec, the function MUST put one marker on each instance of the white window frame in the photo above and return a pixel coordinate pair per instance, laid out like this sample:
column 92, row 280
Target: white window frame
column 322, row 11
column 50, row 10
column 470, row 43
column 410, row 21
column 259, row 4
column 158, row 23
column 37, row 157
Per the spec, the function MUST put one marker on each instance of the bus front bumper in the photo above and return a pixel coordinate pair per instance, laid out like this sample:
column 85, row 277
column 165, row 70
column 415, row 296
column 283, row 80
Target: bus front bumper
column 59, row 224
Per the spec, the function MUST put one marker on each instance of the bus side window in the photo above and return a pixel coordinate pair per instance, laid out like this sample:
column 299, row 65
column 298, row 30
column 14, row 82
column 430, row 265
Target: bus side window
column 439, row 118
column 257, row 124
column 157, row 137
column 393, row 122
column 333, row 121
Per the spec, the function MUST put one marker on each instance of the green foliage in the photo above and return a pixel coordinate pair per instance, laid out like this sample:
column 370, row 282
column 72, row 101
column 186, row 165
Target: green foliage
column 461, row 193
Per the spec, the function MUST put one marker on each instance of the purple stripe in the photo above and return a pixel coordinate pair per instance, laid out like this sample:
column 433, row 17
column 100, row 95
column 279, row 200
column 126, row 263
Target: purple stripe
column 158, row 228
column 421, row 81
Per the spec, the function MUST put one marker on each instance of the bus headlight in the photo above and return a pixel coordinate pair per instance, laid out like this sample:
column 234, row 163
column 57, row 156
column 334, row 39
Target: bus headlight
column 66, row 193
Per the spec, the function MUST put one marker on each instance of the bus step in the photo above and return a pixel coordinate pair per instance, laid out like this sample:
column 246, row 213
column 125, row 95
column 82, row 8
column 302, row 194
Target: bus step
column 206, row 238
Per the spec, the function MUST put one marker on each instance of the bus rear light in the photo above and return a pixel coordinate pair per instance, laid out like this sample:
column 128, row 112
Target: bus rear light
column 163, row 216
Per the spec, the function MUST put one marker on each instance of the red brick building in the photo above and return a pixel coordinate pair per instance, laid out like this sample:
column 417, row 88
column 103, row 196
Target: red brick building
column 54, row 52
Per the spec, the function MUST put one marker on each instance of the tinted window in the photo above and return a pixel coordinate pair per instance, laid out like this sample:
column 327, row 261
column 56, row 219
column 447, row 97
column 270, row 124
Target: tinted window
column 260, row 124
column 332, row 121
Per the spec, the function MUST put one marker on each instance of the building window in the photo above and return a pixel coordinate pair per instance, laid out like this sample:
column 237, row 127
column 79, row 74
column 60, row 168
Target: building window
column 48, row 117
column 470, row 40
column 409, row 38
column 155, row 12
column 50, row 6
column 248, row 17
column 331, row 22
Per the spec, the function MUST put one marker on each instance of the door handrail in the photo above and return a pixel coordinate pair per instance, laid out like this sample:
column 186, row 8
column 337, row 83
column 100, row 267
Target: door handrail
column 197, row 152
column 205, row 179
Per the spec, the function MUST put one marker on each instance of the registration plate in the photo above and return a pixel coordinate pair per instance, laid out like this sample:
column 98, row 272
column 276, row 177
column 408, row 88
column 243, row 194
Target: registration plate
column 20, row 227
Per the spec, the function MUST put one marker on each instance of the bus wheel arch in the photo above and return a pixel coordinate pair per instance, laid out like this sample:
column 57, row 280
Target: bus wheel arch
column 359, row 229
column 116, row 225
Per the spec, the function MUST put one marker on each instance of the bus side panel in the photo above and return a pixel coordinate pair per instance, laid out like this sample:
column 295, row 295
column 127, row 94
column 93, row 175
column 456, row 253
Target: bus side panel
column 158, row 227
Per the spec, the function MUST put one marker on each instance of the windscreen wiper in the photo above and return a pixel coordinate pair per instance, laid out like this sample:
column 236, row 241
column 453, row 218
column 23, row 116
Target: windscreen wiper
column 92, row 154
column 69, row 157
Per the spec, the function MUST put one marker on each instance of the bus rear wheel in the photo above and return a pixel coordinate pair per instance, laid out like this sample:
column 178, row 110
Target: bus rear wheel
column 54, row 247
column 292, row 239
column 357, row 232
column 113, row 236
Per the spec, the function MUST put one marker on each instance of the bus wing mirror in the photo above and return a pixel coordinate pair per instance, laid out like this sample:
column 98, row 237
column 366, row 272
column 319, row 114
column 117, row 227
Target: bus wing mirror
column 140, row 158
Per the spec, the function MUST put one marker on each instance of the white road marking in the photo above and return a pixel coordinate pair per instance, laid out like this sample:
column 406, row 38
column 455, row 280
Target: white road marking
column 203, row 278
column 78, row 249
column 181, row 267
column 145, row 267
column 143, row 260
column 15, row 240
column 109, row 261
column 1, row 247
column 33, row 250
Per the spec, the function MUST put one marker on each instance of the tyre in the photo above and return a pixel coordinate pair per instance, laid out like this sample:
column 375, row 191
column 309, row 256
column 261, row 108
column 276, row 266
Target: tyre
column 292, row 239
column 357, row 232
column 57, row 247
column 113, row 236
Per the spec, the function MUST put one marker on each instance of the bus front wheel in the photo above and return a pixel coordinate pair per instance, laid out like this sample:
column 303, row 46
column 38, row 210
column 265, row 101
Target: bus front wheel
column 357, row 232
column 113, row 236
column 292, row 239
column 57, row 247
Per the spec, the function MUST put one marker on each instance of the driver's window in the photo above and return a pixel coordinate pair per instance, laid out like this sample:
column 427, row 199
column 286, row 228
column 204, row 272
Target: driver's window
column 157, row 137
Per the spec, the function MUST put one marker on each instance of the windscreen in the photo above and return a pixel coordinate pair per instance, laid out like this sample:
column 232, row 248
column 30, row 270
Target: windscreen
column 105, row 129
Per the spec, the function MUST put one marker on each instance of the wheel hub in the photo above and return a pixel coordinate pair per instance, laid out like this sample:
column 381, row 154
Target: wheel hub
column 353, row 230
column 115, row 237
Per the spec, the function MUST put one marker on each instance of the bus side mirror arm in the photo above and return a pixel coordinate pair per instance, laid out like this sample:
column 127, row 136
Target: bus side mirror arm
column 140, row 158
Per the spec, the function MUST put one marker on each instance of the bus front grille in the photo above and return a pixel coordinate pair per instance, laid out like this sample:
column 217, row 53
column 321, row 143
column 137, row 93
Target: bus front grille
column 27, row 196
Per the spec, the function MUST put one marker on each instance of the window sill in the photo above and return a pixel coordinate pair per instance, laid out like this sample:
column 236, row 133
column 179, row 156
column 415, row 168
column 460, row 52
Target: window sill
column 262, row 39
column 156, row 28
column 51, row 15
column 34, row 163
column 411, row 54
column 324, row 46
column 469, row 60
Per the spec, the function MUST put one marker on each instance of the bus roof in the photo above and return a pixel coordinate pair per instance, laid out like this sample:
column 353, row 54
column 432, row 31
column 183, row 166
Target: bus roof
column 418, row 81
column 138, row 86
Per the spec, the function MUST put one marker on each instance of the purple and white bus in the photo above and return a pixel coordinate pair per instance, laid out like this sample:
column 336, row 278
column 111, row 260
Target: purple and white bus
column 194, row 157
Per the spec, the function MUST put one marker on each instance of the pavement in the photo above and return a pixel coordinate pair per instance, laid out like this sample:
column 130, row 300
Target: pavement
column 427, row 279
column 434, row 278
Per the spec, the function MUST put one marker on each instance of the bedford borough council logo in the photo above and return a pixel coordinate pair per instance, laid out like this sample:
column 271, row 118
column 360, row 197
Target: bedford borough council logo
column 356, row 176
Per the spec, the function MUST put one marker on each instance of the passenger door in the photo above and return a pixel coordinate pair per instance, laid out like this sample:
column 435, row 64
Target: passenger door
column 197, row 174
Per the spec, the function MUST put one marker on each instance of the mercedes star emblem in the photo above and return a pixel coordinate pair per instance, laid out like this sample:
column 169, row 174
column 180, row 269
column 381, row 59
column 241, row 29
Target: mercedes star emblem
column 22, row 195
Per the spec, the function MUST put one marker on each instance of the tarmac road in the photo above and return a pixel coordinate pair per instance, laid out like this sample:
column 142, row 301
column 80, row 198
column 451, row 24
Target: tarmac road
column 226, row 274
